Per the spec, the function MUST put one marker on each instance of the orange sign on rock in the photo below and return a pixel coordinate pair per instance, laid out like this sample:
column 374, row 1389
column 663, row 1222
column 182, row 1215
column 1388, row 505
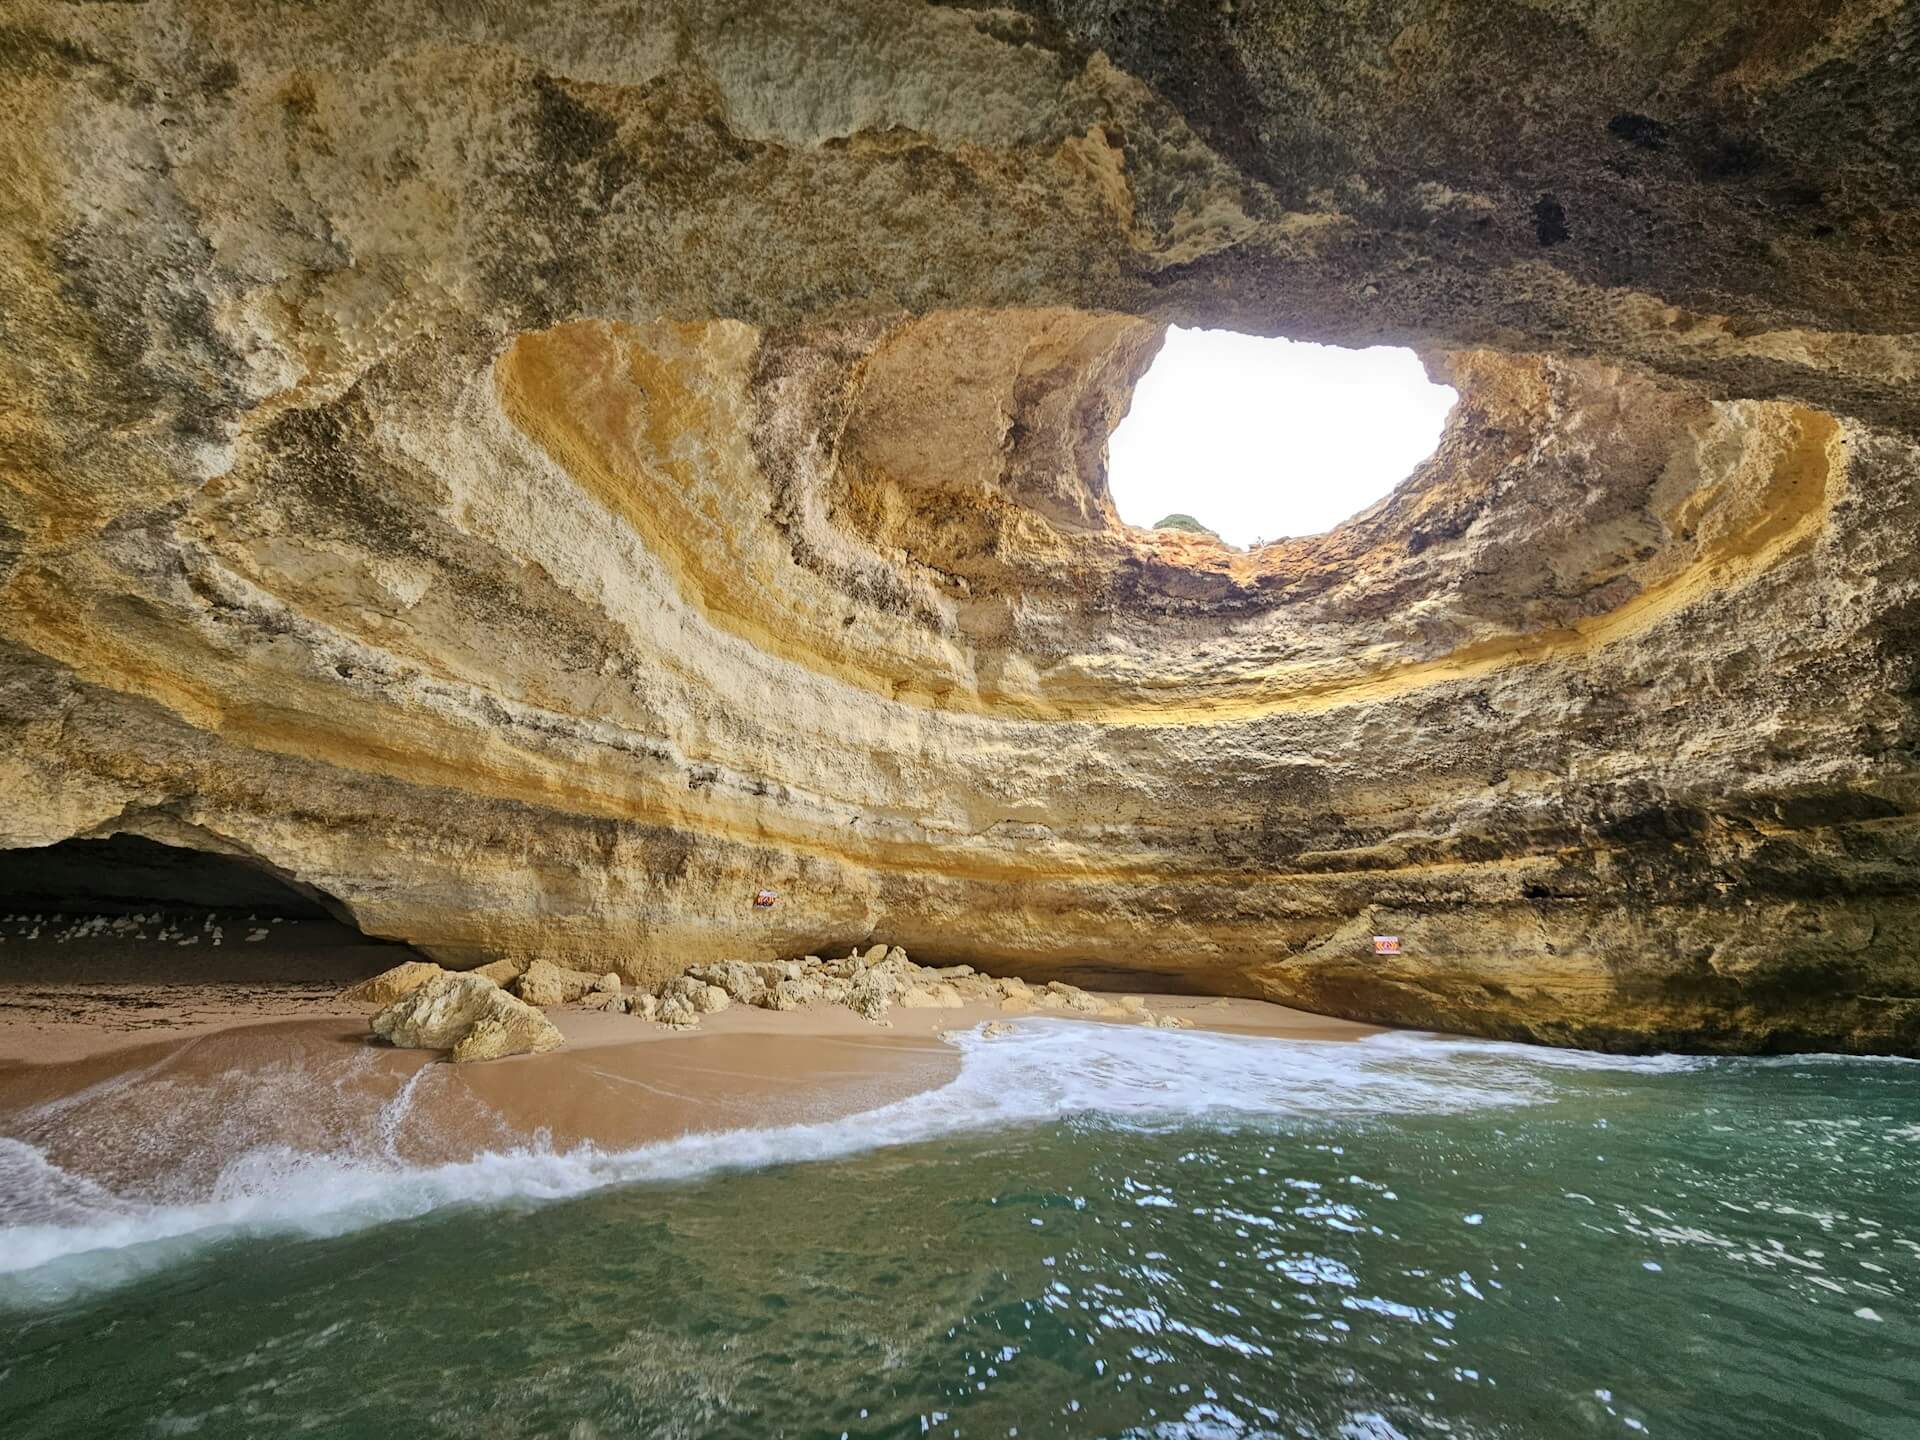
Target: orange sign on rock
column 763, row 899
column 1386, row 944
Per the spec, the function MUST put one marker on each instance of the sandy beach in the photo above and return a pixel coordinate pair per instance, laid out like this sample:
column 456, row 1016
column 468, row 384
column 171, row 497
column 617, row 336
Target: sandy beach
column 122, row 1077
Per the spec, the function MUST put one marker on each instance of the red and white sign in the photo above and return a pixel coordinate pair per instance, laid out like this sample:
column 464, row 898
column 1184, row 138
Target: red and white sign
column 763, row 899
column 1386, row 944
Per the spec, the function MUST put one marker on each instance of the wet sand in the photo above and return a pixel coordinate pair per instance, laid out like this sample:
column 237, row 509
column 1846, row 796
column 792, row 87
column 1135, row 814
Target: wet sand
column 168, row 1080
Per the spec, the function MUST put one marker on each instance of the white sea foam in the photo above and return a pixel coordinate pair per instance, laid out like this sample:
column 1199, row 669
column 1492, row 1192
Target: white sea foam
column 1430, row 1046
column 61, row 1232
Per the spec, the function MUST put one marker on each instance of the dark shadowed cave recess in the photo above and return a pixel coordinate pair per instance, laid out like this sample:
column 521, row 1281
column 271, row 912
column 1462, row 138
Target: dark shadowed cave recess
column 128, row 911
column 127, row 874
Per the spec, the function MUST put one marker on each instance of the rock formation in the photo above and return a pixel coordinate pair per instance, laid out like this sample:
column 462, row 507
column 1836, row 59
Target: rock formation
column 469, row 1017
column 391, row 985
column 872, row 983
column 543, row 983
column 540, row 475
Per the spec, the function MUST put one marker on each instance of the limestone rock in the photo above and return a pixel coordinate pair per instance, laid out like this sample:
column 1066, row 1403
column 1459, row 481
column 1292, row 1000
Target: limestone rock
column 543, row 983
column 792, row 994
column 870, row 1002
column 1060, row 995
column 677, row 1011
column 435, row 1015
column 696, row 994
column 741, row 982
column 468, row 1015
column 389, row 985
column 501, row 972
column 510, row 1028
column 501, row 467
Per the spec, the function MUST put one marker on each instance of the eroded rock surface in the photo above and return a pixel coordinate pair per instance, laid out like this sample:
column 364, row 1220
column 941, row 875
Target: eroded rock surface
column 540, row 475
column 469, row 1017
column 544, row 983
column 390, row 985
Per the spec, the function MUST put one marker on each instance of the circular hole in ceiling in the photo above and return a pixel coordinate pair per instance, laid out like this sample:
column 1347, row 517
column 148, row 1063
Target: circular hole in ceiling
column 1257, row 439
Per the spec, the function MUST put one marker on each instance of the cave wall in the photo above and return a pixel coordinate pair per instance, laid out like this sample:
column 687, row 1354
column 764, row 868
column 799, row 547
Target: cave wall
column 540, row 477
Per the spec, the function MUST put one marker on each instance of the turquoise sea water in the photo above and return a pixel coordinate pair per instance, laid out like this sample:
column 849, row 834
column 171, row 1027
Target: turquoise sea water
column 1094, row 1231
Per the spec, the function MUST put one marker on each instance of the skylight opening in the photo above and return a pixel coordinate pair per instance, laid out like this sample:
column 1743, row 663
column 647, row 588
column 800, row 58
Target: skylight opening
column 1259, row 440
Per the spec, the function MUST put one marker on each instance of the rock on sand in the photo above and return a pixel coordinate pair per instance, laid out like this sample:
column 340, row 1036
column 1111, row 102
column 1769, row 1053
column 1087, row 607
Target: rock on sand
column 468, row 1015
column 389, row 985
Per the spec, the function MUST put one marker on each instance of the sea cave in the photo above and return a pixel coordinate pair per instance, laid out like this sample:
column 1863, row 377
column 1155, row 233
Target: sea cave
column 603, row 530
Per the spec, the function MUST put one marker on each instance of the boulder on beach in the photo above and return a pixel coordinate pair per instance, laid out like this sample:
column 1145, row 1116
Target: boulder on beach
column 698, row 996
column 791, row 994
column 390, row 985
column 677, row 1012
column 742, row 982
column 545, row 983
column 870, row 984
column 467, row 1015
column 501, row 972
column 513, row 1028
column 1061, row 996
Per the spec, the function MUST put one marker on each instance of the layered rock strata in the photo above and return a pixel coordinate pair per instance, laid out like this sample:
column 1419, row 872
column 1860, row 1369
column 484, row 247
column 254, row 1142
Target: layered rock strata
column 540, row 479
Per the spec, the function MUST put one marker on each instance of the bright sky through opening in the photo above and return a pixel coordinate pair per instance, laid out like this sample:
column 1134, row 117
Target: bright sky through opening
column 1261, row 439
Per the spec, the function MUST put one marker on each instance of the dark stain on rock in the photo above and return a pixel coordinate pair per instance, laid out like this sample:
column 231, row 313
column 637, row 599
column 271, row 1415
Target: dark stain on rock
column 320, row 463
column 666, row 853
column 569, row 132
column 1729, row 157
column 1550, row 221
column 24, row 50
column 187, row 381
column 218, row 79
column 578, row 158
column 1639, row 130
column 1799, row 195
column 1189, row 55
column 1654, row 824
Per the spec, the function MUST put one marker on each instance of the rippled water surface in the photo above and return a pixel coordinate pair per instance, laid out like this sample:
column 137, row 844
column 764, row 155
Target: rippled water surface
column 1160, row 1235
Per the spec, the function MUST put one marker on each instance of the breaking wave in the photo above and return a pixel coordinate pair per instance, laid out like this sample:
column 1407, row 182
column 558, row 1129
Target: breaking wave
column 61, row 1233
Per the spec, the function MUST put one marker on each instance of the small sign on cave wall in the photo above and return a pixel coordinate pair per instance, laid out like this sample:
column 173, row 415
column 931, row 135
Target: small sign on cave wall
column 763, row 899
column 1386, row 944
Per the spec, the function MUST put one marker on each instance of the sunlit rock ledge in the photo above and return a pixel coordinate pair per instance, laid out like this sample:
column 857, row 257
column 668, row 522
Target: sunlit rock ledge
column 542, row 479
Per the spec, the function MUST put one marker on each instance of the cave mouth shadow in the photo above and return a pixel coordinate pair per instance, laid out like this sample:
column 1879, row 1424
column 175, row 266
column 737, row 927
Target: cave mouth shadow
column 126, row 909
